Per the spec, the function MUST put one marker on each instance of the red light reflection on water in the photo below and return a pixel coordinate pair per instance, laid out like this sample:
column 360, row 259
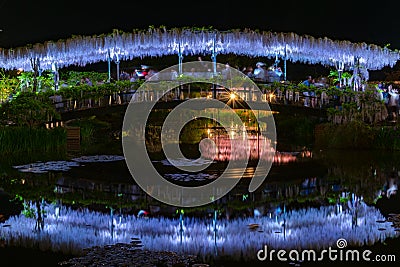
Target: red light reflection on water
column 253, row 148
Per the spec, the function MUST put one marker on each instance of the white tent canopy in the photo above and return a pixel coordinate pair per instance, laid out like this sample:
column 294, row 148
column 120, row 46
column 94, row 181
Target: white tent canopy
column 83, row 50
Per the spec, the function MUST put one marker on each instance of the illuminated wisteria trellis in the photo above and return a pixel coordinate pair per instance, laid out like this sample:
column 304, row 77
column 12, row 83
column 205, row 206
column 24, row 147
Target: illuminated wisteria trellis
column 158, row 42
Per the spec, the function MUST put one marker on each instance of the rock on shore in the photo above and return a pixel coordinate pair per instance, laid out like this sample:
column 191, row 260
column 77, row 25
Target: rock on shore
column 122, row 254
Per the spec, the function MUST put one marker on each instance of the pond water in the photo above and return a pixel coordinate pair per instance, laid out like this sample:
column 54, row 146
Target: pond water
column 309, row 200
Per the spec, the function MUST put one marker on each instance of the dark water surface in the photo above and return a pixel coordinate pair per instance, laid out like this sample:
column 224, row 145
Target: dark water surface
column 302, row 180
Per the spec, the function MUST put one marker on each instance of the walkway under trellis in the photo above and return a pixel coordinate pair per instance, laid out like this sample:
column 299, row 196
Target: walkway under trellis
column 277, row 99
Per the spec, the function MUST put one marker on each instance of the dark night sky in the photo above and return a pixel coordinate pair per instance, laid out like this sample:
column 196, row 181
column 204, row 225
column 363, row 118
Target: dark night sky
column 376, row 22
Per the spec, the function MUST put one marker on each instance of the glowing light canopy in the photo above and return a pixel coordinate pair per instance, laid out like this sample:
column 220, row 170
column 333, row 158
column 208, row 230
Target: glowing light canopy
column 158, row 42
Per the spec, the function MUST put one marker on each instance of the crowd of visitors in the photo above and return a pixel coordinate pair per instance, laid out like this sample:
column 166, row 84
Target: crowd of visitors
column 86, row 80
column 390, row 96
column 144, row 73
column 263, row 74
column 309, row 95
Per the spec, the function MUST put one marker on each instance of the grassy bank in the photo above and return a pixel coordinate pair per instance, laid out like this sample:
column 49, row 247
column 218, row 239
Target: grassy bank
column 17, row 141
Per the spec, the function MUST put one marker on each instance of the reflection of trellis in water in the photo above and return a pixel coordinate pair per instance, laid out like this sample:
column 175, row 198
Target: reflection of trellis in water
column 69, row 231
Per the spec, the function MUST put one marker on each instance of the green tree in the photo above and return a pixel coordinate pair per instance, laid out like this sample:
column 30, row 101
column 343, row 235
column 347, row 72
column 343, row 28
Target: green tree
column 8, row 86
column 28, row 82
column 28, row 109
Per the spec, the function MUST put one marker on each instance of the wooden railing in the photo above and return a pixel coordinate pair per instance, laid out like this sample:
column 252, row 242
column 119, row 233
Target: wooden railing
column 287, row 97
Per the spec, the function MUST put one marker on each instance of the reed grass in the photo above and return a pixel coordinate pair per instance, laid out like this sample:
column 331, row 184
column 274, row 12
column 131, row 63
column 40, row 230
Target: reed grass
column 16, row 140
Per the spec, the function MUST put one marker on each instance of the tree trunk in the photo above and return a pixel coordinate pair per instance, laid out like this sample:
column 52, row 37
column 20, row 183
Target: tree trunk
column 35, row 67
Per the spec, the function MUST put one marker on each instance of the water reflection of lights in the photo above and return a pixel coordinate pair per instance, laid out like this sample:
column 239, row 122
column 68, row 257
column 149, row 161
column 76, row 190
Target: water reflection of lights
column 254, row 148
column 284, row 157
column 74, row 230
column 191, row 234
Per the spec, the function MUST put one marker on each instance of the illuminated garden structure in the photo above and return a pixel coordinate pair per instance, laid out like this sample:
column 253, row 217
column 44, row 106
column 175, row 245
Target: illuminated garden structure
column 157, row 42
column 70, row 231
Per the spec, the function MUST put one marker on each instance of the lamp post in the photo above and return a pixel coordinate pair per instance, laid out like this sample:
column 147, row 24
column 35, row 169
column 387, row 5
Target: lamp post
column 214, row 59
column 109, row 65
column 180, row 59
column 54, row 68
column 284, row 63
column 117, row 62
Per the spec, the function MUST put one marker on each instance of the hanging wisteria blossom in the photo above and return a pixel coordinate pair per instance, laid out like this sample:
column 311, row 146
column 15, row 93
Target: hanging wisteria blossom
column 157, row 42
